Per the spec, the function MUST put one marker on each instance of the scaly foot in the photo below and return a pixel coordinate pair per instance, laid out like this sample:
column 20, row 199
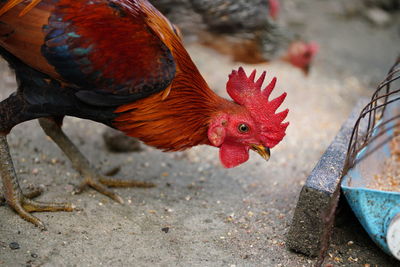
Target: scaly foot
column 101, row 183
column 23, row 205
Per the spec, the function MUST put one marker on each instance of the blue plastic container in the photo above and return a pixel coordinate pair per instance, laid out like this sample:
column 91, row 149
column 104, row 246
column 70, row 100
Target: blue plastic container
column 377, row 210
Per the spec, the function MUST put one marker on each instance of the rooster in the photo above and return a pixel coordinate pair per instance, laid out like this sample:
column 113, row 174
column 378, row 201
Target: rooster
column 123, row 64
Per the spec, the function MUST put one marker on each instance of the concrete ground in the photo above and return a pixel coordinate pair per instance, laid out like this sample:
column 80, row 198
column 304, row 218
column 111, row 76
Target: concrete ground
column 201, row 214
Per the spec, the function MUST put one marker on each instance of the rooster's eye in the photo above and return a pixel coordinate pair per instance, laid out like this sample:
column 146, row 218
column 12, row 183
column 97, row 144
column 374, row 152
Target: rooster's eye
column 243, row 128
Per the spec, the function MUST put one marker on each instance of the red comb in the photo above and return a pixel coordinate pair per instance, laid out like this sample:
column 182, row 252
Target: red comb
column 246, row 92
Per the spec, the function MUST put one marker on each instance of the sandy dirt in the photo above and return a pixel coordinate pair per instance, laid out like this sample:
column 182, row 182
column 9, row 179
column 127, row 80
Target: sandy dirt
column 389, row 178
column 200, row 214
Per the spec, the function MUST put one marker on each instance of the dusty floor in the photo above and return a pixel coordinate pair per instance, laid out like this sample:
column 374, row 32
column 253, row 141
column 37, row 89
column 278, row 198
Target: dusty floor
column 201, row 214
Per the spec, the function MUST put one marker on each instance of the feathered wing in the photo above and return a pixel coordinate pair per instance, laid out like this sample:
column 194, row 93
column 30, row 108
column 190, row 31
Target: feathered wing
column 105, row 49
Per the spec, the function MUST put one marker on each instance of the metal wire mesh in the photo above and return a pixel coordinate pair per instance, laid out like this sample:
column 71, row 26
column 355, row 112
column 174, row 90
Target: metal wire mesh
column 372, row 122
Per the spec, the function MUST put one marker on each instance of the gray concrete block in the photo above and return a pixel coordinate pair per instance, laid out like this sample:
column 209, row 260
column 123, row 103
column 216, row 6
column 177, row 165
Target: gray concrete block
column 315, row 211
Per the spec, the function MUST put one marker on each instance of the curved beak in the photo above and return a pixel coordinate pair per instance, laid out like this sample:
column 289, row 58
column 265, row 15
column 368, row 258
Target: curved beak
column 262, row 150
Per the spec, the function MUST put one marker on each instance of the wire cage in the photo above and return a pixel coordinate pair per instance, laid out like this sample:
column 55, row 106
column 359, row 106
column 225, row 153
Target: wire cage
column 378, row 118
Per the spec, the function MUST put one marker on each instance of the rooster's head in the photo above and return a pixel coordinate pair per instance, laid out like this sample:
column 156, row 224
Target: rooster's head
column 252, row 125
column 301, row 55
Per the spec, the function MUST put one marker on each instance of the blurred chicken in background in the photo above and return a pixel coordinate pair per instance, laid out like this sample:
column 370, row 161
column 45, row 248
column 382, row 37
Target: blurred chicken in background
column 249, row 31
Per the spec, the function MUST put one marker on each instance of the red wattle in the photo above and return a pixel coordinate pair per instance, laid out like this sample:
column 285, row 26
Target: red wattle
column 231, row 155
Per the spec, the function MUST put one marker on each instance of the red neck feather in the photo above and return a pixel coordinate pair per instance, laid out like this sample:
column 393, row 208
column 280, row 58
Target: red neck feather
column 176, row 123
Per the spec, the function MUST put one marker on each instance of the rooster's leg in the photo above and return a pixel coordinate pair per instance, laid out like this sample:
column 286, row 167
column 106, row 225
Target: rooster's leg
column 82, row 165
column 22, row 203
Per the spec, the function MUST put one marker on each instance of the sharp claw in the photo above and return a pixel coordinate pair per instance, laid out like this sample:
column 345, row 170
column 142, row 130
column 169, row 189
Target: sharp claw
column 42, row 226
column 119, row 199
column 38, row 223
